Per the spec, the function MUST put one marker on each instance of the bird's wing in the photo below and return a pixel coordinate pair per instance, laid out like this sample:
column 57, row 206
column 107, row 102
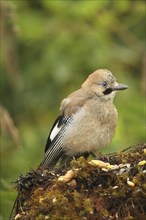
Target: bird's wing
column 54, row 146
column 73, row 103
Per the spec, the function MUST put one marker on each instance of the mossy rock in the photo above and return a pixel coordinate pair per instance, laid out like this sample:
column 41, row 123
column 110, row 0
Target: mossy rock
column 95, row 193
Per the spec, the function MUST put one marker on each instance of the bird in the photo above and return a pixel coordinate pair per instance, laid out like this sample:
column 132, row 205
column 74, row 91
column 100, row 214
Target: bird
column 87, row 120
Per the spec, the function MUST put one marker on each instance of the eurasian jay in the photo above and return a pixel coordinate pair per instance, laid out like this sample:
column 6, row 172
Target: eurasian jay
column 87, row 121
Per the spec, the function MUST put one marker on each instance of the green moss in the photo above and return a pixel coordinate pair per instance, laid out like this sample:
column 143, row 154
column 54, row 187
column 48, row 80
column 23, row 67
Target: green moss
column 99, row 194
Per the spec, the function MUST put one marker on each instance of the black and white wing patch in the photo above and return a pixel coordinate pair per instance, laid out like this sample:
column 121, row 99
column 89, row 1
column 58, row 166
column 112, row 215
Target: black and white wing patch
column 54, row 146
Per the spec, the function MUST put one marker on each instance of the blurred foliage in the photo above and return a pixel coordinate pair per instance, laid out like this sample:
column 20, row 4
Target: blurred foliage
column 48, row 48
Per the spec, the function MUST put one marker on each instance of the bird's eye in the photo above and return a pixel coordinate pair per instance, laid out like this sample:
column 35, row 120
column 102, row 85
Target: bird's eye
column 104, row 84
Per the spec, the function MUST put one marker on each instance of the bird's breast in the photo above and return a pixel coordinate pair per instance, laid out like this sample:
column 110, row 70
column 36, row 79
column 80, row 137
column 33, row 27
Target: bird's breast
column 91, row 129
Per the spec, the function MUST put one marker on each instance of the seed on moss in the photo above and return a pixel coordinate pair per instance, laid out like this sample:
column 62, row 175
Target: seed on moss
column 54, row 200
column 142, row 162
column 67, row 177
column 115, row 187
column 72, row 183
column 104, row 169
column 17, row 216
column 99, row 163
column 130, row 183
column 41, row 199
column 112, row 167
column 61, row 178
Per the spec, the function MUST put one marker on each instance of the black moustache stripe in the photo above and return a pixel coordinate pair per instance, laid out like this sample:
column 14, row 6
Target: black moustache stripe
column 108, row 91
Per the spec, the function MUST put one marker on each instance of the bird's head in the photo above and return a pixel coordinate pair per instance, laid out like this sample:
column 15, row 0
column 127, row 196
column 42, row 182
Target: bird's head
column 103, row 84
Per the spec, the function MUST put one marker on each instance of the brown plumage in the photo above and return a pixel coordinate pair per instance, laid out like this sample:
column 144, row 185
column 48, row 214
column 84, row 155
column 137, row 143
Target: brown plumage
column 87, row 121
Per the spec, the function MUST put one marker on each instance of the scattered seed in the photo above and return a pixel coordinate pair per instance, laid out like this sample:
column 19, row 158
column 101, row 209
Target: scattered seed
column 67, row 177
column 54, row 200
column 72, row 183
column 17, row 216
column 130, row 183
column 61, row 178
column 115, row 187
column 142, row 162
column 99, row 163
column 104, row 169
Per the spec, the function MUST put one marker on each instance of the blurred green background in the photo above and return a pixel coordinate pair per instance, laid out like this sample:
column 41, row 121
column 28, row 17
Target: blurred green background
column 48, row 48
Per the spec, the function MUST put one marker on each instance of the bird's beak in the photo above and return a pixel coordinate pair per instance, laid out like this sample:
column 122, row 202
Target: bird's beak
column 119, row 87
